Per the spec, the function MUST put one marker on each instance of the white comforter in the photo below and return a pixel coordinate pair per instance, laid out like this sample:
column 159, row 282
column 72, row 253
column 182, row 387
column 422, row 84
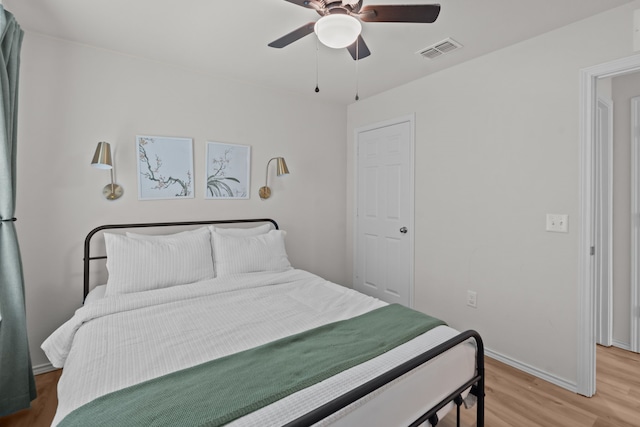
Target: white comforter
column 122, row 340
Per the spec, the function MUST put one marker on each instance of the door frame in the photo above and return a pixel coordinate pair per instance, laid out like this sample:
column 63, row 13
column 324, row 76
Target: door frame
column 635, row 224
column 411, row 234
column 586, row 366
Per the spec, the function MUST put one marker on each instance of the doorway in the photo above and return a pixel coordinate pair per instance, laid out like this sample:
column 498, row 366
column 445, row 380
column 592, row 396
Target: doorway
column 586, row 384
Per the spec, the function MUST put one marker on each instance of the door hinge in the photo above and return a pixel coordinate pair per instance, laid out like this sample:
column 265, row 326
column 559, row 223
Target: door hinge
column 593, row 250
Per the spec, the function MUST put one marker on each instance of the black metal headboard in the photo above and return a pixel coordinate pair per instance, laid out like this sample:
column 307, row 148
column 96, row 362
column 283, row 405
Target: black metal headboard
column 87, row 240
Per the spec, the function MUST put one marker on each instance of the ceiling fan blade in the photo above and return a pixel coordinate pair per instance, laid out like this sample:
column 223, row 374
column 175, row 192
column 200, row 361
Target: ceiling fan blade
column 363, row 50
column 419, row 13
column 294, row 35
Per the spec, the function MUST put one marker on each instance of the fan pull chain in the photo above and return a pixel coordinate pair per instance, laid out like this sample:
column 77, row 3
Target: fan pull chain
column 357, row 60
column 317, row 62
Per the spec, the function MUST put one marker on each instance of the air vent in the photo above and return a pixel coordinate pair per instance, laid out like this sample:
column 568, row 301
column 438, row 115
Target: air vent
column 440, row 48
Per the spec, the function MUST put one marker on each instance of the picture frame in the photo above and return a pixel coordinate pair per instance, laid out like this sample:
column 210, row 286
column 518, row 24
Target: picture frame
column 165, row 167
column 228, row 171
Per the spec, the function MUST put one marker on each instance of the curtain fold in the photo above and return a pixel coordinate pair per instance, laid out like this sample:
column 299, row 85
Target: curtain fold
column 17, row 385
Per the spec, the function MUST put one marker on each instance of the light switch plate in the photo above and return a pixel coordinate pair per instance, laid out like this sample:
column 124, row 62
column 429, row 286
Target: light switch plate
column 558, row 223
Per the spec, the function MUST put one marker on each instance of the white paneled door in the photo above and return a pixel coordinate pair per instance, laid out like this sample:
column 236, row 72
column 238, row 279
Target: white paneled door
column 603, row 221
column 384, row 214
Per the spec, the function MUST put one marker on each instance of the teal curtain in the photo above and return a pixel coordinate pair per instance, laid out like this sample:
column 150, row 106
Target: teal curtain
column 17, row 386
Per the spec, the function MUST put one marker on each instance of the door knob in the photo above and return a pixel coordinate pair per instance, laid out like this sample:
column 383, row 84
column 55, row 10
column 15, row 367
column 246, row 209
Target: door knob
column 403, row 230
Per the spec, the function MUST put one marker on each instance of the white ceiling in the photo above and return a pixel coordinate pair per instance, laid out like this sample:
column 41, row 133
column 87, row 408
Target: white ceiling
column 229, row 38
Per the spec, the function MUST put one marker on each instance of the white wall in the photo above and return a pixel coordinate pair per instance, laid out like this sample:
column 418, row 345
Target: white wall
column 623, row 89
column 496, row 149
column 603, row 88
column 72, row 96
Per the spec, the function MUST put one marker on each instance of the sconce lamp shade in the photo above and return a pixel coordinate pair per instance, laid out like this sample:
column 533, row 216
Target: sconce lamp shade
column 102, row 157
column 338, row 30
column 281, row 169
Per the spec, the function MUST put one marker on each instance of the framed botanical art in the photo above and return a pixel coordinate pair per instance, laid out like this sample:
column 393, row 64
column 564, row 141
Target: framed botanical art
column 165, row 168
column 228, row 171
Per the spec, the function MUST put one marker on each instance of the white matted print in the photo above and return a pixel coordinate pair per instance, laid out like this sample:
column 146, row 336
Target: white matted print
column 165, row 168
column 228, row 171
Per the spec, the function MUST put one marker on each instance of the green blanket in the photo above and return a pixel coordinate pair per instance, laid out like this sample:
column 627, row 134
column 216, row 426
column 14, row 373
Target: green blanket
column 222, row 390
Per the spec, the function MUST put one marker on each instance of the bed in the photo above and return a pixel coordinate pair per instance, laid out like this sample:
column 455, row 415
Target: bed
column 234, row 335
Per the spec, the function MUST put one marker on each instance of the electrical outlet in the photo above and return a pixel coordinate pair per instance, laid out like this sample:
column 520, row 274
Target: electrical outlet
column 472, row 299
column 558, row 223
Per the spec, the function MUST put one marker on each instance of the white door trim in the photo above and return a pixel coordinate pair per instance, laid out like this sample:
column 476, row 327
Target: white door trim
column 586, row 384
column 411, row 118
column 635, row 224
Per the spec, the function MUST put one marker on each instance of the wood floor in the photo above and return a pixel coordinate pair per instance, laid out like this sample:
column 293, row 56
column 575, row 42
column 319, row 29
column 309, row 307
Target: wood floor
column 42, row 409
column 513, row 398
column 516, row 399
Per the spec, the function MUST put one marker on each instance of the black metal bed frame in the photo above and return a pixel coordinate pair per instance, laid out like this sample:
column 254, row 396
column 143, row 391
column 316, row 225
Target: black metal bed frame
column 476, row 383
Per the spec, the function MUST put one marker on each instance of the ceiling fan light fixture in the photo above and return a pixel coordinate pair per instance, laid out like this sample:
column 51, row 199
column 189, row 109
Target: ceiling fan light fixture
column 337, row 31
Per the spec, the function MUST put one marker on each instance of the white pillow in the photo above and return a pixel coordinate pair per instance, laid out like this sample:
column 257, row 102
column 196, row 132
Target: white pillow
column 162, row 236
column 264, row 252
column 136, row 265
column 241, row 232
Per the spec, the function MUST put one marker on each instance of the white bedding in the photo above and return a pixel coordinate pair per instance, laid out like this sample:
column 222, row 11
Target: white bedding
column 118, row 341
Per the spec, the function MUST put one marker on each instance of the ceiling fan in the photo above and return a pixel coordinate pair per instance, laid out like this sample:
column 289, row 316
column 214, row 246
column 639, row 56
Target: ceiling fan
column 339, row 25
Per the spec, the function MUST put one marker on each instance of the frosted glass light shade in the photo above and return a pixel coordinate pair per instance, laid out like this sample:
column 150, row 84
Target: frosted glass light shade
column 337, row 31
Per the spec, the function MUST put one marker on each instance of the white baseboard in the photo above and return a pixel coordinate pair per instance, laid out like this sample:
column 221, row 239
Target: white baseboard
column 622, row 345
column 43, row 369
column 553, row 379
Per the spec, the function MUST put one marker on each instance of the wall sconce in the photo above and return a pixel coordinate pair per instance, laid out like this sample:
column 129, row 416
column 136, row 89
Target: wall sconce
column 102, row 160
column 265, row 192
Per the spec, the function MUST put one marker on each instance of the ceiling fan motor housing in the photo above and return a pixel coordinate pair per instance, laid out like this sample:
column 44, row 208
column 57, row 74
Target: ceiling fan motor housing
column 339, row 6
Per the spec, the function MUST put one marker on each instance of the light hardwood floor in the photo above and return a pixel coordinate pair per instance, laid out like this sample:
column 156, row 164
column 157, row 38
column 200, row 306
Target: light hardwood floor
column 513, row 398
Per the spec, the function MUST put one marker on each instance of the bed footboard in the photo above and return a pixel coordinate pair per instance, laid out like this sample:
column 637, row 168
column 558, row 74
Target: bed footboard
column 476, row 383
